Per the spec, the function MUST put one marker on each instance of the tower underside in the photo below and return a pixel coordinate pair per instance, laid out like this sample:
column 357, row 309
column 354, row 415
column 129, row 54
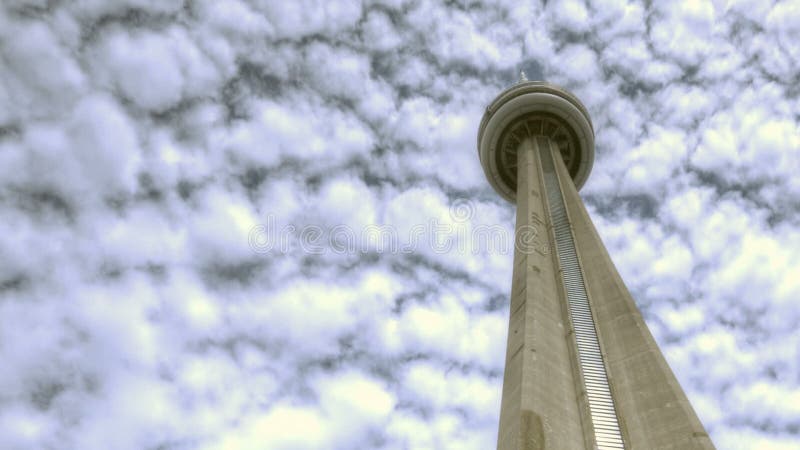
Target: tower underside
column 582, row 369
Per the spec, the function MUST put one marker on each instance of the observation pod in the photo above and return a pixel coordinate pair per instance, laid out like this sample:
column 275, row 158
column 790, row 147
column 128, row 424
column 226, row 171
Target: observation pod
column 528, row 109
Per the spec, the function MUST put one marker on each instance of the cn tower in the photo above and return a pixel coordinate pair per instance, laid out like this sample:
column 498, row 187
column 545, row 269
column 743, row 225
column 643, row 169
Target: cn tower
column 582, row 370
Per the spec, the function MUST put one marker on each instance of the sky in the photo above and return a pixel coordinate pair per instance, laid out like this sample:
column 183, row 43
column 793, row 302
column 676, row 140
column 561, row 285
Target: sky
column 245, row 224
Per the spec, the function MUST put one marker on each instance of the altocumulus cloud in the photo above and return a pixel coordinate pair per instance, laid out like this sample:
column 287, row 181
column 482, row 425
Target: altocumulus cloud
column 142, row 141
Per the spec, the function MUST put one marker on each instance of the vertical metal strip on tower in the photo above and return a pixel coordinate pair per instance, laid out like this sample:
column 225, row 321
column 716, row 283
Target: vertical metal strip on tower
column 595, row 380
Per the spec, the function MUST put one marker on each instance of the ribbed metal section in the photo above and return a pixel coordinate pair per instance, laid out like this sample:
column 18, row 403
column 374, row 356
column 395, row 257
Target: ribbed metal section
column 595, row 380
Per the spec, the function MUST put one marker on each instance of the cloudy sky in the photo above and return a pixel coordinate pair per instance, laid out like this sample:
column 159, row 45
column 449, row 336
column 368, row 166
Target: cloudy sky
column 172, row 175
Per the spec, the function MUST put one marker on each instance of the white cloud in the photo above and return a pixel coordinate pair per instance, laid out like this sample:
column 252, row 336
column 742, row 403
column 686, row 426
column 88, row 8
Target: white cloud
column 338, row 310
column 357, row 400
column 381, row 32
column 350, row 405
column 572, row 15
column 445, row 329
column 617, row 18
column 236, row 18
column 578, row 63
column 762, row 399
column 297, row 19
column 26, row 85
column 283, row 426
column 155, row 70
column 448, row 390
column 347, row 78
column 653, row 162
column 753, row 142
column 92, row 155
column 348, row 202
column 736, row 438
column 687, row 207
column 24, row 428
column 317, row 134
column 442, row 431
column 456, row 37
column 98, row 8
column 683, row 32
column 219, row 231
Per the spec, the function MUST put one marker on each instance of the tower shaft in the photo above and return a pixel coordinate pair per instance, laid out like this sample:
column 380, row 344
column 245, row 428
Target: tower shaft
column 582, row 369
column 539, row 402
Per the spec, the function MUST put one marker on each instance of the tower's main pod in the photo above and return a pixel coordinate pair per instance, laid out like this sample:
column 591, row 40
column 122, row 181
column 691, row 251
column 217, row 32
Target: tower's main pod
column 582, row 369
